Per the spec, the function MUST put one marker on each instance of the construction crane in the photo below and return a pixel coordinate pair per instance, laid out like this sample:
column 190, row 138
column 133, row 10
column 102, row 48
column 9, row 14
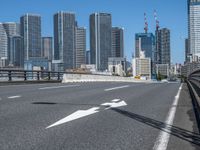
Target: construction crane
column 145, row 23
column 156, row 19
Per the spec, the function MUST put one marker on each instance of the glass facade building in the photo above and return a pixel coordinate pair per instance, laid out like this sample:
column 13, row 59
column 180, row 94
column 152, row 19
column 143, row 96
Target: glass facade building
column 31, row 33
column 194, row 27
column 145, row 42
column 117, row 42
column 100, row 39
column 64, row 39
column 16, row 55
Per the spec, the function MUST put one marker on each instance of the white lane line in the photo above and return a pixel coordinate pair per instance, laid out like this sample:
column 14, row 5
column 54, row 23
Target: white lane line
column 163, row 137
column 57, row 87
column 115, row 100
column 12, row 97
column 115, row 88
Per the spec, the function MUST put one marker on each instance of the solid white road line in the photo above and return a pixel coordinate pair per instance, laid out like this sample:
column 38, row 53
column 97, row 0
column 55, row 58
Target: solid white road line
column 163, row 138
column 115, row 88
column 57, row 87
column 12, row 97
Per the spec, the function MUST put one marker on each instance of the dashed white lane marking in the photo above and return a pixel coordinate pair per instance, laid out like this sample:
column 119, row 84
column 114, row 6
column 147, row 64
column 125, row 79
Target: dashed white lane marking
column 115, row 100
column 163, row 137
column 12, row 97
column 57, row 87
column 115, row 88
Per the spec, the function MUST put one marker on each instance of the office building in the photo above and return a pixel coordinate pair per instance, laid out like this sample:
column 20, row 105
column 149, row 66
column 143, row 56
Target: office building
column 47, row 47
column 194, row 27
column 144, row 42
column 142, row 67
column 117, row 66
column 64, row 39
column 100, row 39
column 187, row 51
column 16, row 54
column 31, row 33
column 88, row 57
column 3, row 46
column 80, row 46
column 117, row 42
column 162, row 69
column 164, row 50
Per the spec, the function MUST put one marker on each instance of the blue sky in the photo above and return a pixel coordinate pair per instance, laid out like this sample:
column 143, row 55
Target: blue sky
column 125, row 13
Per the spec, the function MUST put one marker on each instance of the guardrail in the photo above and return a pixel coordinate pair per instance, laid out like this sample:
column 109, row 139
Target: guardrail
column 27, row 75
column 193, row 82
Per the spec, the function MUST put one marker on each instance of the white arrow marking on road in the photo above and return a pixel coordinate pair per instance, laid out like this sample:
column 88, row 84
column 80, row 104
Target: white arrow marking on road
column 114, row 105
column 83, row 113
column 78, row 114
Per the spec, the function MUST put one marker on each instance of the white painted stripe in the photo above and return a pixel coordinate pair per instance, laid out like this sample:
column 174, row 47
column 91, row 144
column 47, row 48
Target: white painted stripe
column 115, row 88
column 12, row 97
column 163, row 137
column 115, row 100
column 57, row 87
column 76, row 115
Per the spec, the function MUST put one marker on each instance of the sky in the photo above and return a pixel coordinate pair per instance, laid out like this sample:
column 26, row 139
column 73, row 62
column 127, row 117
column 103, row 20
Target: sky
column 128, row 14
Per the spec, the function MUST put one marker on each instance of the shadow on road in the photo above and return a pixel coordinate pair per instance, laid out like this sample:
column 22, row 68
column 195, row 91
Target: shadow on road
column 183, row 134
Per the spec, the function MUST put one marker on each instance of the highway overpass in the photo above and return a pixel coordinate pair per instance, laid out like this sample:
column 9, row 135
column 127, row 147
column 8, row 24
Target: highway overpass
column 97, row 116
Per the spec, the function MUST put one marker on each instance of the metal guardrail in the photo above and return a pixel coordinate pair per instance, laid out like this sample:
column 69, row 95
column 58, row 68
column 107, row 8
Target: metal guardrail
column 25, row 75
column 193, row 83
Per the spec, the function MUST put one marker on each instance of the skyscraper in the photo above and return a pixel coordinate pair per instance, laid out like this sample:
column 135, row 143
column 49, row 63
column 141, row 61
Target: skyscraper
column 187, row 51
column 12, row 30
column 64, row 39
column 145, row 42
column 16, row 55
column 117, row 42
column 164, row 50
column 47, row 47
column 31, row 33
column 194, row 27
column 3, row 46
column 100, row 39
column 80, row 46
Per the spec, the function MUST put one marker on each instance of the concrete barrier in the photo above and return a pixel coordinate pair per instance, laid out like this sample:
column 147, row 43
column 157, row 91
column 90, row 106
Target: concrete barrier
column 97, row 78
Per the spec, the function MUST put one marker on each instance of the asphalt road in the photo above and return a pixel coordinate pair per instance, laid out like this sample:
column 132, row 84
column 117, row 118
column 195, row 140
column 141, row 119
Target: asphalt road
column 97, row 116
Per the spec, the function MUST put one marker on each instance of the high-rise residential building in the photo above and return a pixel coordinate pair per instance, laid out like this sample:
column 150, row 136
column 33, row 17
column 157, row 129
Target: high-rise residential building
column 194, row 27
column 47, row 47
column 164, row 50
column 100, row 39
column 64, row 39
column 12, row 28
column 117, row 42
column 80, row 46
column 31, row 33
column 16, row 55
column 3, row 46
column 145, row 42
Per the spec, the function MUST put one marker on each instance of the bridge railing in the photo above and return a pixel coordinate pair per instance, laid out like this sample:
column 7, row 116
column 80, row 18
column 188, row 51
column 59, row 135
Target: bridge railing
column 25, row 75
